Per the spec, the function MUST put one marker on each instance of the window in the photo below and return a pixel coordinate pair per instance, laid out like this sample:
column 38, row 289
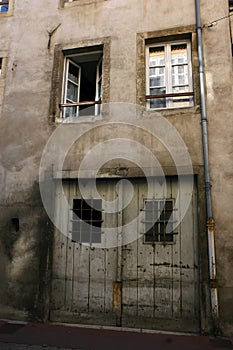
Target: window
column 87, row 220
column 4, row 5
column 169, row 75
column 82, row 82
column 159, row 221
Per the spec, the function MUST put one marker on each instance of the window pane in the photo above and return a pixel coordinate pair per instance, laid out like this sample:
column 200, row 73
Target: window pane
column 157, row 76
column 180, row 75
column 85, row 237
column 70, row 111
column 3, row 8
column 179, row 54
column 156, row 56
column 182, row 101
column 73, row 73
column 72, row 92
column 149, row 207
column 157, row 102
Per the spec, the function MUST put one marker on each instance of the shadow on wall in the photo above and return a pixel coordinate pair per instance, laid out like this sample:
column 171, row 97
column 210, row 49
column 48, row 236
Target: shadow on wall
column 25, row 243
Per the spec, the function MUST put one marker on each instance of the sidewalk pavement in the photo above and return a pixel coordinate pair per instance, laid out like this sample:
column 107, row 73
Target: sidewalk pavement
column 21, row 336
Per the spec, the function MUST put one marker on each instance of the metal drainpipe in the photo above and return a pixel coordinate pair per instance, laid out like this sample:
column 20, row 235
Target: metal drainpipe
column 209, row 214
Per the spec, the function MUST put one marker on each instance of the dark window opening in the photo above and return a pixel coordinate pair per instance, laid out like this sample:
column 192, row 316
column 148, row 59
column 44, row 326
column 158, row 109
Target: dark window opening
column 159, row 220
column 82, row 85
column 87, row 220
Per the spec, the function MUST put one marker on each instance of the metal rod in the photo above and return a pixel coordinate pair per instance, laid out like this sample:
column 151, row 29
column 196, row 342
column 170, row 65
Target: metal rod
column 209, row 213
column 170, row 95
column 84, row 103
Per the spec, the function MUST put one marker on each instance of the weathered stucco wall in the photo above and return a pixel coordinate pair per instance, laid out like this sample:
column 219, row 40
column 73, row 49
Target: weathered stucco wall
column 26, row 124
column 218, row 68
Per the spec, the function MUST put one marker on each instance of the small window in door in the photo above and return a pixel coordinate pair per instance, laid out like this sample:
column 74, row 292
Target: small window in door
column 86, row 220
column 82, row 82
column 159, row 221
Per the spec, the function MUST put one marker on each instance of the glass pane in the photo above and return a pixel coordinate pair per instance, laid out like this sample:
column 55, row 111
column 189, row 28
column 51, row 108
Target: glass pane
column 3, row 8
column 72, row 92
column 149, row 213
column 85, row 237
column 157, row 102
column 162, row 233
column 169, row 237
column 157, row 76
column 156, row 56
column 169, row 227
column 73, row 73
column 168, row 210
column 180, row 75
column 70, row 111
column 151, row 238
column 182, row 101
column 76, row 236
column 179, row 53
column 76, row 226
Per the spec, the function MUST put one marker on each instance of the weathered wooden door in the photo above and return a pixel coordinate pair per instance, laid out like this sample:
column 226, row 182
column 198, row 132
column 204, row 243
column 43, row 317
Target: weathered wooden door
column 133, row 279
column 160, row 276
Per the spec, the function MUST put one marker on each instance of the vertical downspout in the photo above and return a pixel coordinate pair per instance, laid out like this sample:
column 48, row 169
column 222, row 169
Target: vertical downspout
column 209, row 214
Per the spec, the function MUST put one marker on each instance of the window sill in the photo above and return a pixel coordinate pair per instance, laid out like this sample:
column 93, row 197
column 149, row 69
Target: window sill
column 79, row 120
column 6, row 14
column 172, row 111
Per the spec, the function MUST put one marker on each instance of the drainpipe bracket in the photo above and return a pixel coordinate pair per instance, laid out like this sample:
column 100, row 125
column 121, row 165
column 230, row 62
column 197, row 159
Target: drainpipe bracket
column 210, row 223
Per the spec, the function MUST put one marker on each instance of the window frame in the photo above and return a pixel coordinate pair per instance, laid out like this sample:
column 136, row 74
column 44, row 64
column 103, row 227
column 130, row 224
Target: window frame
column 158, row 222
column 169, row 94
column 97, row 99
column 54, row 113
column 66, row 79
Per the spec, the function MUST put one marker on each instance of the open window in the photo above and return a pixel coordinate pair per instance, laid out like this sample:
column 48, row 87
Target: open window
column 169, row 75
column 82, row 82
column 4, row 4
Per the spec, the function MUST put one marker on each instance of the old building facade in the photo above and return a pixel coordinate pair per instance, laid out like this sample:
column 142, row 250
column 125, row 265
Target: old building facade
column 116, row 163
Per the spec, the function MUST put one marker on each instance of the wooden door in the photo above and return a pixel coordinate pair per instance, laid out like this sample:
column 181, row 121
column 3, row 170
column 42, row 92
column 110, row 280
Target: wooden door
column 160, row 279
column 157, row 281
